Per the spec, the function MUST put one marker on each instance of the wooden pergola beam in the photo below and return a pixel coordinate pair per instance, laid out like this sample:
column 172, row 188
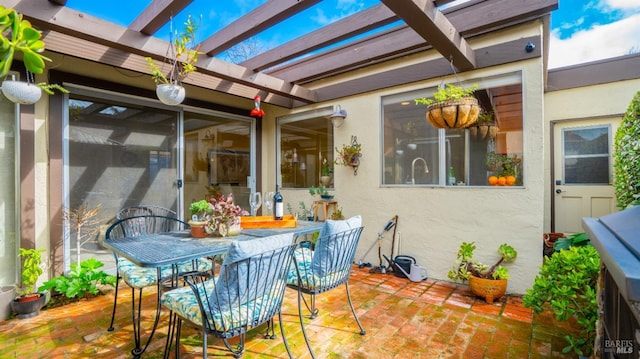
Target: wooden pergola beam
column 256, row 21
column 84, row 26
column 348, row 27
column 157, row 14
column 430, row 23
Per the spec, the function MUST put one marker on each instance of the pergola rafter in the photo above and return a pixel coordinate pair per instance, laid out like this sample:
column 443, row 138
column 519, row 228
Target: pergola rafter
column 279, row 75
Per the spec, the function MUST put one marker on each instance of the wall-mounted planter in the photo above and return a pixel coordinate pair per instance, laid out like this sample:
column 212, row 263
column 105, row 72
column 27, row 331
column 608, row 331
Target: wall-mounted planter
column 170, row 94
column 21, row 92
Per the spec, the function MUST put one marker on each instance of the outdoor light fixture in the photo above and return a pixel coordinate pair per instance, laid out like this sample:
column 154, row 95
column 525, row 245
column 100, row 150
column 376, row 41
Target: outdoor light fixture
column 338, row 116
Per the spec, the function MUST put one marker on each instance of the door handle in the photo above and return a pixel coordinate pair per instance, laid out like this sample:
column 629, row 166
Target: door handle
column 558, row 191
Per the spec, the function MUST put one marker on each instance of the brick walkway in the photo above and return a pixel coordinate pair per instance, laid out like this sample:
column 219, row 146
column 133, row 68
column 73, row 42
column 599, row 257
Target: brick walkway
column 431, row 319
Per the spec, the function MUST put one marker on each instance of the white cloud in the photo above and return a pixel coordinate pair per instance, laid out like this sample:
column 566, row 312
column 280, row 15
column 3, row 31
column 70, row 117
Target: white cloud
column 596, row 43
column 623, row 4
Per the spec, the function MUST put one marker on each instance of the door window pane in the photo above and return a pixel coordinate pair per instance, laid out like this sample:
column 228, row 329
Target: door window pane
column 586, row 155
column 119, row 155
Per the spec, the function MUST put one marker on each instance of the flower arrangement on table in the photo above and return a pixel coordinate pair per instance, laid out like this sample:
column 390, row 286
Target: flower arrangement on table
column 224, row 217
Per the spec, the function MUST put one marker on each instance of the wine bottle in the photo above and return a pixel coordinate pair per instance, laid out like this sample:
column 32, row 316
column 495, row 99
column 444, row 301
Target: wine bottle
column 278, row 205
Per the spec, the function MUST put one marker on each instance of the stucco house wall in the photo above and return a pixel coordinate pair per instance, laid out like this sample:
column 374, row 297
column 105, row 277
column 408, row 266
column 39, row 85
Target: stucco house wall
column 584, row 104
column 433, row 221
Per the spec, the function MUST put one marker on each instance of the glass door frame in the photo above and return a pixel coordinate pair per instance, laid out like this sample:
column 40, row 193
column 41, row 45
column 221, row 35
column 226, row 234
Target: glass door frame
column 112, row 96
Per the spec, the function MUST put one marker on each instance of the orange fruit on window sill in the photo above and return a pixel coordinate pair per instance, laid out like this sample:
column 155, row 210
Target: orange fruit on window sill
column 510, row 181
column 493, row 180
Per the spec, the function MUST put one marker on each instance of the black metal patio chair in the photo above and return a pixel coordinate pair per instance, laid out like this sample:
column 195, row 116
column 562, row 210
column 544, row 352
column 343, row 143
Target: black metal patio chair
column 137, row 277
column 145, row 210
column 325, row 266
column 247, row 292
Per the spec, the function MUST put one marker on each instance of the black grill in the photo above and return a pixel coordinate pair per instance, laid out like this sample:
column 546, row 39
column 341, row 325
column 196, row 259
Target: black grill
column 617, row 239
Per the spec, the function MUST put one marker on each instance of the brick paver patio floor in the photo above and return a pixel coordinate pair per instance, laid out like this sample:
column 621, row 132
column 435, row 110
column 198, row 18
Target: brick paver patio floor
column 431, row 319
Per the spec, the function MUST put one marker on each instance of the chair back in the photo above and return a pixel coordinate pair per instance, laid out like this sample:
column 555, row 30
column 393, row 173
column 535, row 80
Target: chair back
column 141, row 225
column 246, row 293
column 328, row 265
column 145, row 210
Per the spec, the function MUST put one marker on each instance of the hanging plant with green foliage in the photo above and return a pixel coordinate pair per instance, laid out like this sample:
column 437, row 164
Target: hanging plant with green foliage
column 627, row 156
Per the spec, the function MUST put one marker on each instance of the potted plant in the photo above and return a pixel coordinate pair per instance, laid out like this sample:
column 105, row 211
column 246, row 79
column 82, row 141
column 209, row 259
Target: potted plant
column 320, row 191
column 488, row 282
column 199, row 210
column 325, row 173
column 17, row 34
column 349, row 155
column 505, row 169
column 224, row 218
column 452, row 106
column 182, row 56
column 29, row 302
column 485, row 127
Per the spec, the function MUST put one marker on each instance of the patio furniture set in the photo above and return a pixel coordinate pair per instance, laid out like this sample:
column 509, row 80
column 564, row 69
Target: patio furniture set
column 227, row 286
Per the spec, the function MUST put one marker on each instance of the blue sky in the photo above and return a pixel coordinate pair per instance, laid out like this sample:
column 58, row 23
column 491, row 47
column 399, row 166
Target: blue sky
column 581, row 30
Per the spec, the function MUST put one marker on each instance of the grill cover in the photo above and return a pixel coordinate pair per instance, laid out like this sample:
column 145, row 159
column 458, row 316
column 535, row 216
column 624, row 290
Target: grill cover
column 617, row 239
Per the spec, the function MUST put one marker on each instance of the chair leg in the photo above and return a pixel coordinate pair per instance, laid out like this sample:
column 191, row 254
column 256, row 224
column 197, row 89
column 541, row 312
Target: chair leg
column 271, row 330
column 284, row 337
column 171, row 334
column 115, row 302
column 304, row 331
column 362, row 332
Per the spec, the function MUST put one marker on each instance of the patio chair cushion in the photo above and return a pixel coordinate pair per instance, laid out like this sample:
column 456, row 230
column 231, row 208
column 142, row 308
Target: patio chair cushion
column 140, row 277
column 308, row 279
column 184, row 302
column 255, row 275
column 324, row 250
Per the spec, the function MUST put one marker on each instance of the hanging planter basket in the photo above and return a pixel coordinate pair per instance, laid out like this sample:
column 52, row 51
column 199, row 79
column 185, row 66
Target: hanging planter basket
column 21, row 92
column 170, row 94
column 459, row 113
column 483, row 131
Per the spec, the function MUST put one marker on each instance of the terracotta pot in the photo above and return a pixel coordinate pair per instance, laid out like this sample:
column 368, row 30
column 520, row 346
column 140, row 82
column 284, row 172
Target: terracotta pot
column 489, row 289
column 28, row 309
column 459, row 113
column 198, row 230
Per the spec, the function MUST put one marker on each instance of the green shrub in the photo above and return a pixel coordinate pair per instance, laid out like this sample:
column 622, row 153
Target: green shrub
column 567, row 285
column 81, row 280
column 627, row 156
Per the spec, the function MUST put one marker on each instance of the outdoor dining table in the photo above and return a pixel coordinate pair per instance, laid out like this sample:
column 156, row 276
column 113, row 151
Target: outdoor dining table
column 160, row 250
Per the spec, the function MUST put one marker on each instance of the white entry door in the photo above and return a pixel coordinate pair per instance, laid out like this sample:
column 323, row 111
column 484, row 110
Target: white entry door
column 583, row 172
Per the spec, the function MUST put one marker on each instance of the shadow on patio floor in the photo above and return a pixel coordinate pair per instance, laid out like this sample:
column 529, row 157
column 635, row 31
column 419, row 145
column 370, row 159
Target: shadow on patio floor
column 431, row 319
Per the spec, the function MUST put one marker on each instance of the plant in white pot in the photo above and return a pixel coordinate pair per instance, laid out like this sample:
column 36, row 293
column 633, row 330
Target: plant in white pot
column 181, row 58
column 17, row 35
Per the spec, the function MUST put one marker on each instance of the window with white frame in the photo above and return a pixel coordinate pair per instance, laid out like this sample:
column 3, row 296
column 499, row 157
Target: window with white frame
column 416, row 153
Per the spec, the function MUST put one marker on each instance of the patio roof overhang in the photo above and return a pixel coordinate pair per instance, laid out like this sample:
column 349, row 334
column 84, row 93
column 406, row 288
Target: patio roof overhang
column 281, row 74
